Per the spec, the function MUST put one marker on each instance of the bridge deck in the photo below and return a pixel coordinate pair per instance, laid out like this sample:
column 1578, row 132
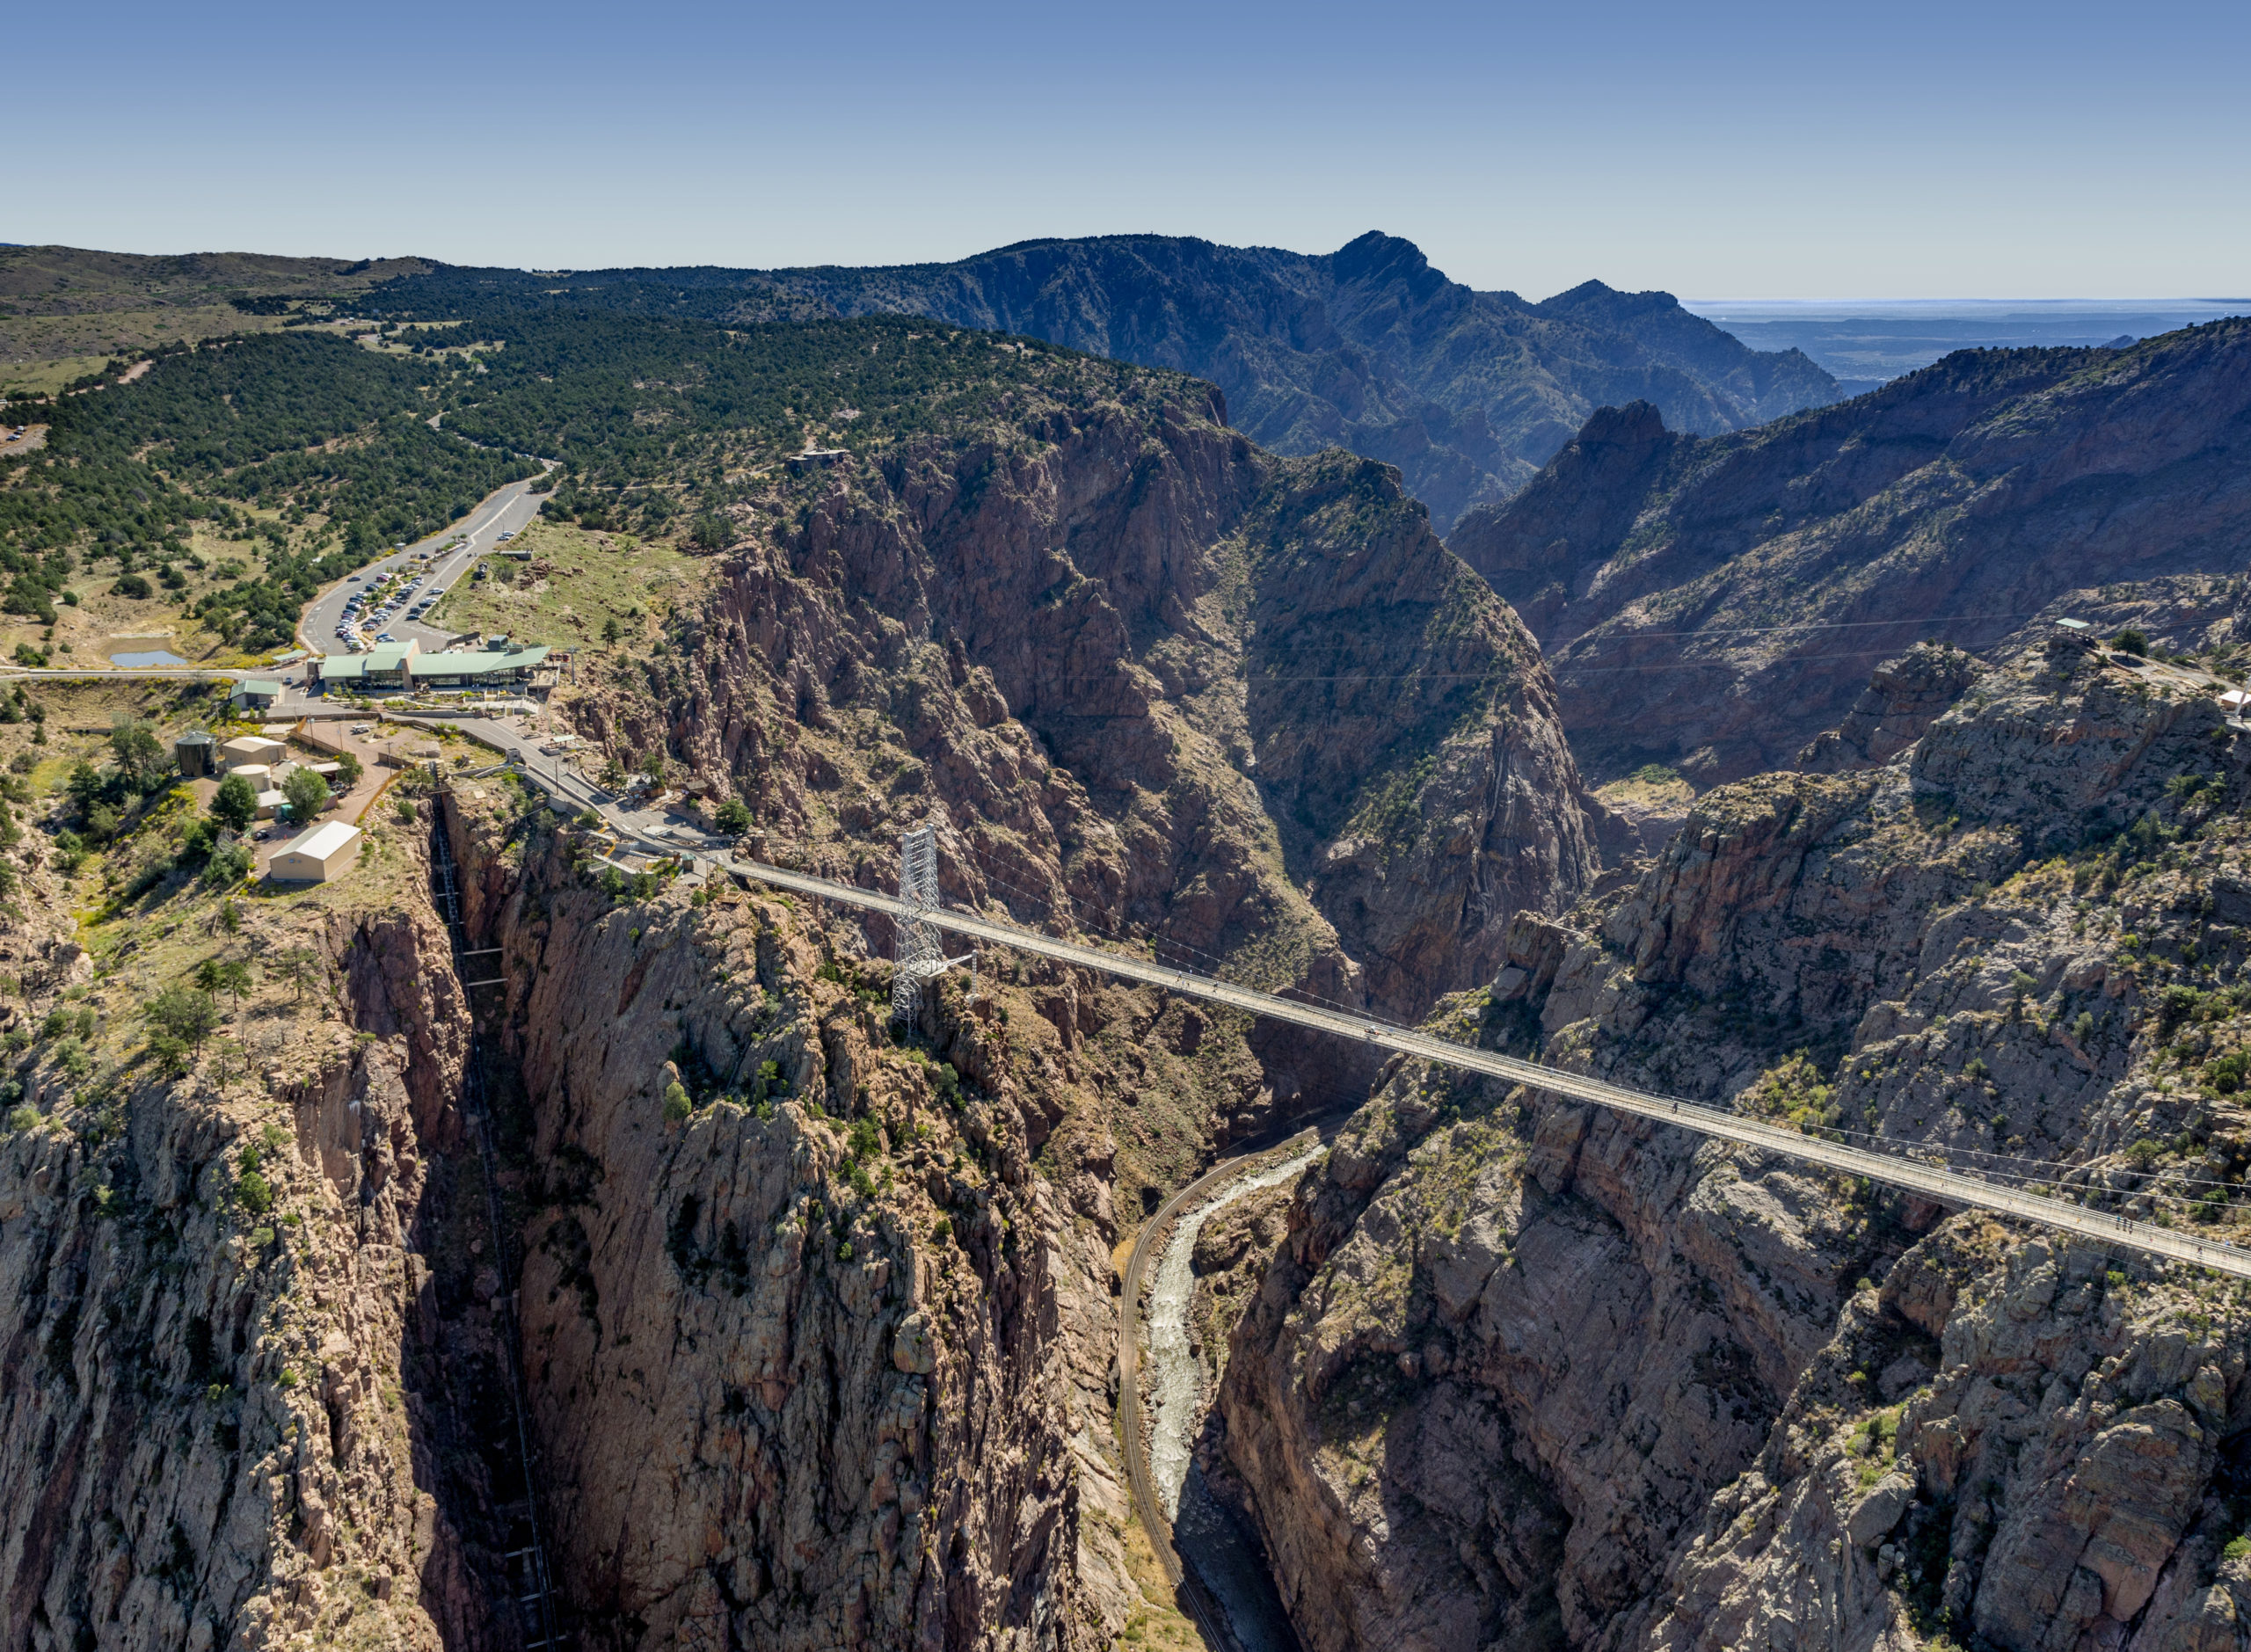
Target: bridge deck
column 1949, row 1187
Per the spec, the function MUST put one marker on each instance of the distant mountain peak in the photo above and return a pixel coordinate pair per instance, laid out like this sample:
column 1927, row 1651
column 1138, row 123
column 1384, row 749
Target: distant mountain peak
column 1368, row 348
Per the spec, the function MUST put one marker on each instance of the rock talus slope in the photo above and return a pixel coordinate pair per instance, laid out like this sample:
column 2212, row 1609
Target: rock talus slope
column 1524, row 1373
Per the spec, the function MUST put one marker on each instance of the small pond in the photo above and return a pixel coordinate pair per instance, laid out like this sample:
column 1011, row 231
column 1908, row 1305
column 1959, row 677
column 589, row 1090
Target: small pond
column 150, row 657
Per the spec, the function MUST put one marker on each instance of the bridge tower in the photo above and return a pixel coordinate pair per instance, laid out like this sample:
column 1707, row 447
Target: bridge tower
column 920, row 956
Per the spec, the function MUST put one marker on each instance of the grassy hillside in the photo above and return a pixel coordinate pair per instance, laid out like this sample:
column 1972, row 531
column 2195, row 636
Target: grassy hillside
column 64, row 311
column 202, row 495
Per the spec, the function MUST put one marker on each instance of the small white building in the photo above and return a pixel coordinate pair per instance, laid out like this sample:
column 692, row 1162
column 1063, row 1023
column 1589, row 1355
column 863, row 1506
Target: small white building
column 261, row 777
column 269, row 804
column 252, row 748
column 321, row 856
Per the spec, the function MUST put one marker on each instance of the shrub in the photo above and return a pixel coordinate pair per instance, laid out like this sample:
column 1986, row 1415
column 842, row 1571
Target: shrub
column 134, row 586
column 234, row 804
column 69, row 852
column 255, row 1192
column 23, row 1118
column 2132, row 642
column 2237, row 1548
column 229, row 866
column 2226, row 1074
column 732, row 816
column 677, row 1106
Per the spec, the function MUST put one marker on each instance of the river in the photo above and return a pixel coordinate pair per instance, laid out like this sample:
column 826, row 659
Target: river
column 1204, row 1534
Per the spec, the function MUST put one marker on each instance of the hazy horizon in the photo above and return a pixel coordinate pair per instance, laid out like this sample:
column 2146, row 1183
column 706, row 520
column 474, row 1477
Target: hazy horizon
column 2002, row 152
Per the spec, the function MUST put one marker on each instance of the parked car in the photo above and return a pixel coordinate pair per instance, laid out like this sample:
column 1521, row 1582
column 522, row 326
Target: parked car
column 386, row 637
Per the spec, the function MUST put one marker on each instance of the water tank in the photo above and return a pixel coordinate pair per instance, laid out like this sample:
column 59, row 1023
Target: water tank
column 197, row 753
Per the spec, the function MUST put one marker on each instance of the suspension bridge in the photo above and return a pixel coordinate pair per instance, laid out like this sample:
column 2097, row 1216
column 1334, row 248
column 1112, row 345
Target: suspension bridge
column 1894, row 1163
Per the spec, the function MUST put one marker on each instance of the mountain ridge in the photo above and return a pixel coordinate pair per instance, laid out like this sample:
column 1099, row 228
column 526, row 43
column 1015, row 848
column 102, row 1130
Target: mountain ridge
column 1369, row 347
column 1691, row 591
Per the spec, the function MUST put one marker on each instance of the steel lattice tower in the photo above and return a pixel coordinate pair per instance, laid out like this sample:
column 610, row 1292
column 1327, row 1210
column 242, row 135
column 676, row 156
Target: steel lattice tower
column 920, row 957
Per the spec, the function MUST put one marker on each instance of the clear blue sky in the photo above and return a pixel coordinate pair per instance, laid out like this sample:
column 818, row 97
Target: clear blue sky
column 1751, row 150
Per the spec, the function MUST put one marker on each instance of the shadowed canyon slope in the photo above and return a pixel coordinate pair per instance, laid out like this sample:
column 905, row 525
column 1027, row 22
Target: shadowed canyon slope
column 1157, row 682
column 1367, row 348
column 1521, row 1373
column 1714, row 604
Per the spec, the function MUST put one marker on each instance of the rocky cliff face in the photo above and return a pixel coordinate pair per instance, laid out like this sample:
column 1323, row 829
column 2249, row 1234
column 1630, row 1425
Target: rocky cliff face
column 1524, row 1372
column 1156, row 683
column 821, row 1353
column 1714, row 604
column 226, row 1420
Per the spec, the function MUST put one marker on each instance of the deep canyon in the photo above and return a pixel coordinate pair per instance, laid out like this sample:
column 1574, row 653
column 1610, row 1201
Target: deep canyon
column 812, row 1320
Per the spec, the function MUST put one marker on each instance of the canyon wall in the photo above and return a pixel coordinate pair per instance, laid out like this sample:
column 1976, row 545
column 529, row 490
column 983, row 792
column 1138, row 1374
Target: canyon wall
column 1044, row 644
column 225, row 1416
column 1713, row 603
column 1523, row 1372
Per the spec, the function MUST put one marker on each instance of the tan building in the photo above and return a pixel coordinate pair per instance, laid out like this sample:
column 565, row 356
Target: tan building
column 261, row 777
column 252, row 748
column 322, row 855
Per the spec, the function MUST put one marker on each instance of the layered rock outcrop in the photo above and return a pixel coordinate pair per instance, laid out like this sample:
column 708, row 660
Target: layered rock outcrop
column 1713, row 604
column 1522, row 1369
column 1157, row 683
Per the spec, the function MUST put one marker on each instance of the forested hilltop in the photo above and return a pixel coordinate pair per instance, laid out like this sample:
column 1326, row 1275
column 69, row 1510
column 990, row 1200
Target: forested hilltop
column 210, row 491
column 1367, row 348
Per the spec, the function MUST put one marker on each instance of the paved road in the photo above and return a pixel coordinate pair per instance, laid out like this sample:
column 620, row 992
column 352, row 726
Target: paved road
column 1947, row 1187
column 504, row 512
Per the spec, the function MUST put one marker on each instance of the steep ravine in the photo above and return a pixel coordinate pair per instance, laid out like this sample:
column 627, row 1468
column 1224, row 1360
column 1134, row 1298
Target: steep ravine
column 822, row 1355
column 1522, row 1374
column 243, row 1393
column 1177, row 1386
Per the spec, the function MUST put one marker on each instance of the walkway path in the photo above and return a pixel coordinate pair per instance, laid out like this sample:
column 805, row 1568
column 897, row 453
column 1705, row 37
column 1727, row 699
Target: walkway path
column 1947, row 1186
